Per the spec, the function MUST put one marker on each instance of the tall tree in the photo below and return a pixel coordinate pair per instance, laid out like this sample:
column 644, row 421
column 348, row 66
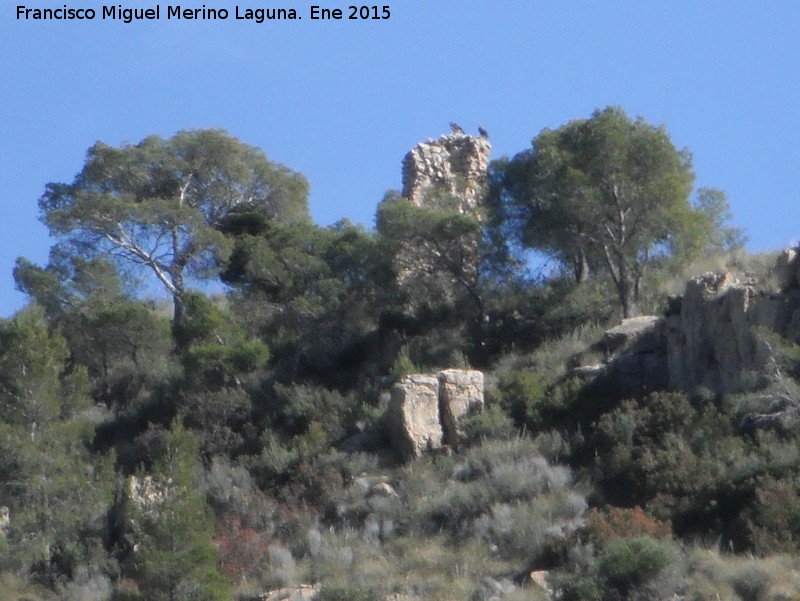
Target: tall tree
column 717, row 236
column 157, row 204
column 123, row 342
column 171, row 528
column 606, row 191
column 437, row 251
column 315, row 293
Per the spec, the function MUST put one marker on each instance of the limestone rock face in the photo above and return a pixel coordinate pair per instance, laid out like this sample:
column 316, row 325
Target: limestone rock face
column 787, row 269
column 637, row 354
column 711, row 342
column 5, row 519
column 709, row 337
column 426, row 410
column 413, row 415
column 148, row 494
column 455, row 164
column 460, row 395
column 302, row 592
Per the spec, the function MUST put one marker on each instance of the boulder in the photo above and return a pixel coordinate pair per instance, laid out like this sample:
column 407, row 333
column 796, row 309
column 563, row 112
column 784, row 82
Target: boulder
column 644, row 332
column 412, row 418
column 460, row 396
column 302, row 592
column 787, row 269
column 540, row 579
column 636, row 355
column 5, row 519
column 147, row 493
column 383, row 489
column 425, row 410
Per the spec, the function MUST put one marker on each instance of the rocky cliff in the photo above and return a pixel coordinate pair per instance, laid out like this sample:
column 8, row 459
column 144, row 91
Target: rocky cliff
column 711, row 337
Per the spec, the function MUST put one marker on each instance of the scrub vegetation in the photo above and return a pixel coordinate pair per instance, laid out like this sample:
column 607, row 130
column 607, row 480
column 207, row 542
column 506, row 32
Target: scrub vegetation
column 192, row 448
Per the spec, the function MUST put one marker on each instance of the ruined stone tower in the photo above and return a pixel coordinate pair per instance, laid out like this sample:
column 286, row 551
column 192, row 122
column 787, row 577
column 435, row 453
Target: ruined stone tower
column 436, row 264
column 456, row 165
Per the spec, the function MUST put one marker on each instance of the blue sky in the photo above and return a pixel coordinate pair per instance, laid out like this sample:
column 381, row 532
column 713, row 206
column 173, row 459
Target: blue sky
column 342, row 102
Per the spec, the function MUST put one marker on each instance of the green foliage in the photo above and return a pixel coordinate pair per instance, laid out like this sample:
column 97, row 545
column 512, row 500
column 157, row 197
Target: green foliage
column 172, row 528
column 491, row 424
column 32, row 361
column 346, row 593
column 581, row 588
column 217, row 365
column 713, row 218
column 58, row 496
column 124, row 345
column 436, row 253
column 156, row 204
column 502, row 492
column 627, row 563
column 403, row 365
column 315, row 294
column 523, row 395
column 604, row 193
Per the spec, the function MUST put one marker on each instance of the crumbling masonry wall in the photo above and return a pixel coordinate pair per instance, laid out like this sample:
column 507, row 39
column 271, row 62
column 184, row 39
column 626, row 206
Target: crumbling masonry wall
column 455, row 165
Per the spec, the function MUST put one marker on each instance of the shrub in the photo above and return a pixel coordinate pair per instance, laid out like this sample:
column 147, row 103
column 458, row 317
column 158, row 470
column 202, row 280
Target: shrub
column 344, row 592
column 492, row 423
column 581, row 588
column 522, row 394
column 403, row 365
column 627, row 563
column 618, row 522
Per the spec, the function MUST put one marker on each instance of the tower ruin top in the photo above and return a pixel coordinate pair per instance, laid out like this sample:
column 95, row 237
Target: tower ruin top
column 456, row 164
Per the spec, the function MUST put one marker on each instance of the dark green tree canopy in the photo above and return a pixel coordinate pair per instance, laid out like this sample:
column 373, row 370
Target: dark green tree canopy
column 157, row 204
column 606, row 191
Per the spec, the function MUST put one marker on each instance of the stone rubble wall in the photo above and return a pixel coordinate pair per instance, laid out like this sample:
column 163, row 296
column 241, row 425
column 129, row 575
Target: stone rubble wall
column 425, row 410
column 455, row 164
column 436, row 174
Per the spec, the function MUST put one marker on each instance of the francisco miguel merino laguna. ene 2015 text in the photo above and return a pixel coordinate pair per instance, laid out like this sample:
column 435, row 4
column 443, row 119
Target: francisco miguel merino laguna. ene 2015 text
column 259, row 15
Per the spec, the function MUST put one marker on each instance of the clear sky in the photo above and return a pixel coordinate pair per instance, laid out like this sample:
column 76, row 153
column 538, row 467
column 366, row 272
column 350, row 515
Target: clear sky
column 343, row 101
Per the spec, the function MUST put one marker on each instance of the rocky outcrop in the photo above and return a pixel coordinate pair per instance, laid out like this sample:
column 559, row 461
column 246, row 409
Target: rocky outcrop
column 5, row 519
column 148, row 494
column 787, row 269
column 425, row 410
column 711, row 337
column 455, row 165
column 638, row 355
column 710, row 343
column 302, row 592
column 460, row 395
column 413, row 415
